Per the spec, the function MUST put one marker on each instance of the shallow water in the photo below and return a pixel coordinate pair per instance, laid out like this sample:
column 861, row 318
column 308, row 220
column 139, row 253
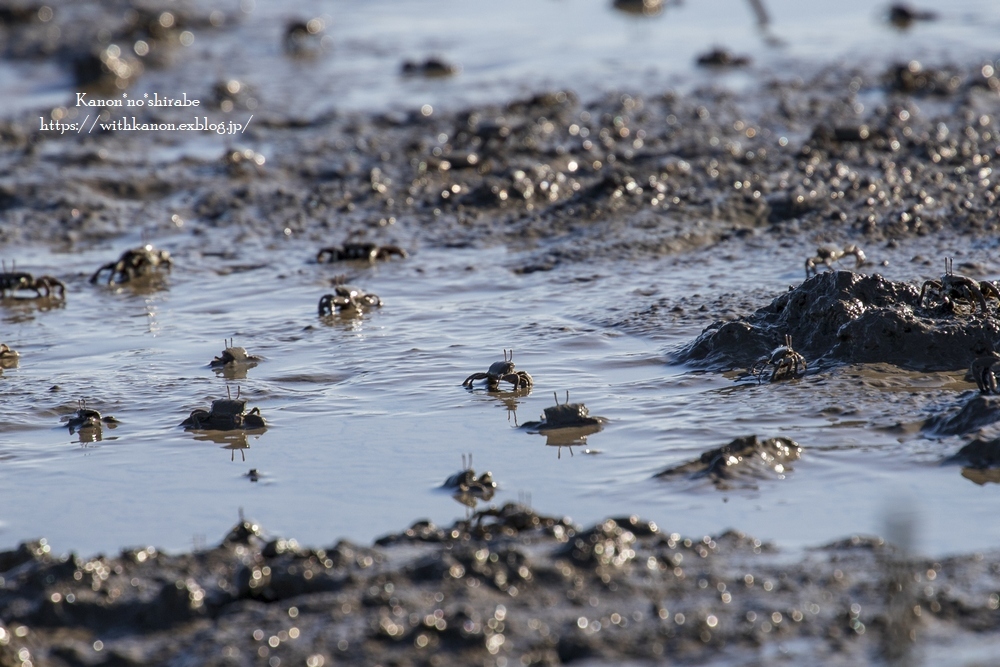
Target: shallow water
column 367, row 416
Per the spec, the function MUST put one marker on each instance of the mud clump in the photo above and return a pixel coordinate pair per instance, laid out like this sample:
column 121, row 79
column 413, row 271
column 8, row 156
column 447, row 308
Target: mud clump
column 979, row 454
column 976, row 413
column 544, row 593
column 742, row 462
column 607, row 544
column 848, row 318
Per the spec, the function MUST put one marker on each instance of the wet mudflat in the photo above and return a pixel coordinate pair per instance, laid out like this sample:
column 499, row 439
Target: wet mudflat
column 507, row 586
column 642, row 251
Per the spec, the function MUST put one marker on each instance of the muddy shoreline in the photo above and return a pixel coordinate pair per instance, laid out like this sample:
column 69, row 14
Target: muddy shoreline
column 871, row 155
column 507, row 586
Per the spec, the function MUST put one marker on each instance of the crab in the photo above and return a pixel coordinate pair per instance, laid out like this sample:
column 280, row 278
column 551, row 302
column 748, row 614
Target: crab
column 8, row 357
column 368, row 251
column 903, row 16
column 43, row 286
column 956, row 287
column 501, row 371
column 304, row 38
column 431, row 68
column 786, row 363
column 347, row 299
column 85, row 418
column 643, row 7
column 233, row 355
column 134, row 263
column 227, row 414
column 567, row 415
column 827, row 255
column 466, row 484
column 984, row 371
column 228, row 94
column 243, row 161
column 722, row 58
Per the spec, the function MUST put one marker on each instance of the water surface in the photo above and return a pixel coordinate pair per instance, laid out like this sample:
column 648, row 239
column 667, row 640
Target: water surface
column 367, row 415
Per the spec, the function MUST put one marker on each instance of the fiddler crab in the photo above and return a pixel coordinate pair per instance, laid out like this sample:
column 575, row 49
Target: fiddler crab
column 8, row 357
column 303, row 38
column 432, row 67
column 956, row 287
column 227, row 414
column 44, row 286
column 827, row 255
column 133, row 264
column 566, row 415
column 984, row 371
column 347, row 299
column 233, row 355
column 501, row 371
column 367, row 251
column 470, row 487
column 243, row 161
column 85, row 418
column 785, row 362
column 643, row 7
column 722, row 58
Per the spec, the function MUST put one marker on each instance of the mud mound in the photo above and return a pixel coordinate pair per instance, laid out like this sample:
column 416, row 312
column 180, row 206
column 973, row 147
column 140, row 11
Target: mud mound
column 976, row 413
column 851, row 318
column 530, row 589
column 742, row 462
column 979, row 454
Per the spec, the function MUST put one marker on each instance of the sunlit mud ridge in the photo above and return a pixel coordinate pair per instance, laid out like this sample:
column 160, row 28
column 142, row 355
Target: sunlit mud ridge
column 845, row 317
column 469, row 594
column 741, row 463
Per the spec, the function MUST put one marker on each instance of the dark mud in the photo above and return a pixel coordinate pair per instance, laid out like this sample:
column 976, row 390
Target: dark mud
column 741, row 463
column 979, row 454
column 847, row 317
column 977, row 411
column 624, row 176
column 505, row 587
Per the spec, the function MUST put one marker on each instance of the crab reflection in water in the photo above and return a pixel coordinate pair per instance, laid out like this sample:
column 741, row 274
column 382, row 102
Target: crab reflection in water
column 574, row 436
column 232, row 440
column 469, row 488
